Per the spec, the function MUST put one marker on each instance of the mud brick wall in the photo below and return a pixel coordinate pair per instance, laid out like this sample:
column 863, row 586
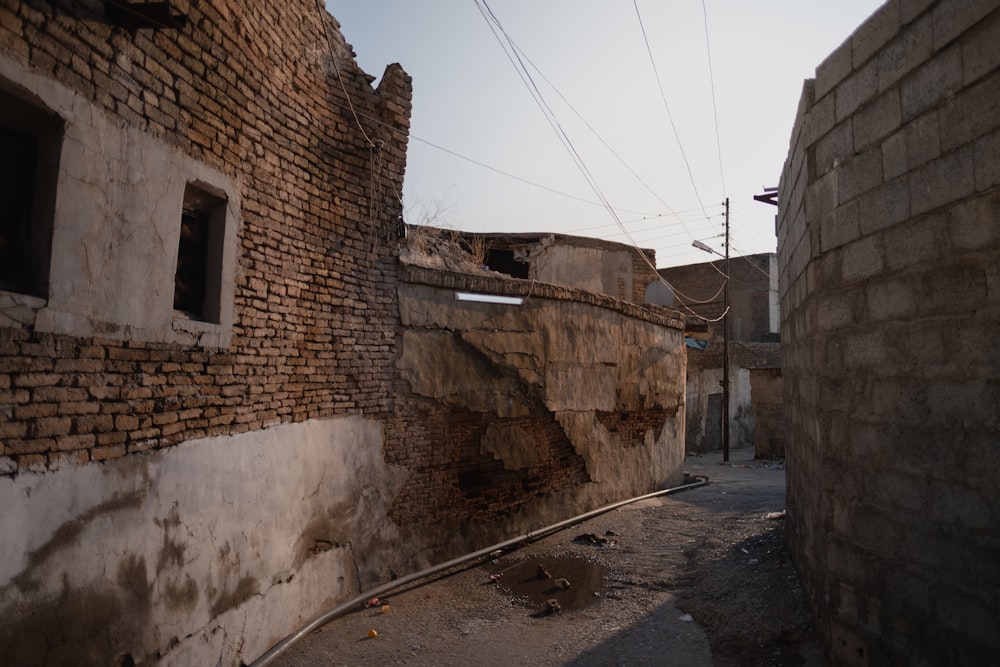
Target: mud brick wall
column 889, row 252
column 250, row 90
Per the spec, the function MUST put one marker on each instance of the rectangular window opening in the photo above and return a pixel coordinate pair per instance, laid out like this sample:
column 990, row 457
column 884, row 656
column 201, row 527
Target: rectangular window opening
column 198, row 280
column 30, row 145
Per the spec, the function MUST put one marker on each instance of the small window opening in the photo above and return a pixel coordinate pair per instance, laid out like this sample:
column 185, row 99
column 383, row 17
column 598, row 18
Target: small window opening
column 197, row 282
column 504, row 261
column 30, row 144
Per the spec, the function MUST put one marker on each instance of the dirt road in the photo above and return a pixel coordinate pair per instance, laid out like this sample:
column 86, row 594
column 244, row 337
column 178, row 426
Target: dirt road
column 697, row 578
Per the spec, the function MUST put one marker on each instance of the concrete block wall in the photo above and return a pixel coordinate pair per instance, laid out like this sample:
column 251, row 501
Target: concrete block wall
column 889, row 248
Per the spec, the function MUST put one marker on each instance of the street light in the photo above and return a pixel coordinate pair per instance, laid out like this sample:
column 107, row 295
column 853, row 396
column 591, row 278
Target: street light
column 702, row 246
column 725, row 337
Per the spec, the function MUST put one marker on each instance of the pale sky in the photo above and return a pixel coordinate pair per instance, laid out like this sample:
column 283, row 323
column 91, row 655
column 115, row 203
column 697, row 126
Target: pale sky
column 589, row 59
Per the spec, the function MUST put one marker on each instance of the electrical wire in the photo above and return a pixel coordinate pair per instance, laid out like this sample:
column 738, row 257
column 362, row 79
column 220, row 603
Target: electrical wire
column 715, row 108
column 518, row 178
column 746, row 256
column 336, row 67
column 676, row 214
column 489, row 167
column 512, row 54
column 594, row 131
column 666, row 106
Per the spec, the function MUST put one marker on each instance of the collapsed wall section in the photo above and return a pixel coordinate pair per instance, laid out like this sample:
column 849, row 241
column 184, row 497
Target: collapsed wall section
column 514, row 415
column 889, row 248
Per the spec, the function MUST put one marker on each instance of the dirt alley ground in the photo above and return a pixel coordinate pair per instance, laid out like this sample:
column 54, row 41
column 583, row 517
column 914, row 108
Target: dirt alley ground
column 701, row 577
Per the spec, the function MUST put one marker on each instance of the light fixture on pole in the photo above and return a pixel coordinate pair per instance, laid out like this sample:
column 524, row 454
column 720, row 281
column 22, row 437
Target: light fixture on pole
column 704, row 246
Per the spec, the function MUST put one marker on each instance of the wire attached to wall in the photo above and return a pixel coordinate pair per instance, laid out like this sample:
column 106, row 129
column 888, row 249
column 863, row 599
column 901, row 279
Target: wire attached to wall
column 336, row 68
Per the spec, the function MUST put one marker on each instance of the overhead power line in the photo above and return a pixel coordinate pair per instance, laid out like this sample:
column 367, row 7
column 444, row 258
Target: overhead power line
column 517, row 61
column 666, row 106
column 715, row 108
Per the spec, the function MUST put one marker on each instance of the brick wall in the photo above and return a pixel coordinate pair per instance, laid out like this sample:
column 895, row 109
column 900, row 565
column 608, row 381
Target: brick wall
column 185, row 491
column 249, row 90
column 888, row 249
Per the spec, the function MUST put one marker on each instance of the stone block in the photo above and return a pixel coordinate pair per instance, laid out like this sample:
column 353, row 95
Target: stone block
column 835, row 311
column 917, row 143
column 877, row 120
column 821, row 196
column 932, row 82
column 892, row 300
column 884, row 206
column 857, row 90
column 953, row 17
column 911, row 48
column 818, row 121
column 943, row 181
column 840, row 227
column 833, row 70
column 863, row 259
column 971, row 113
column 911, row 9
column 974, row 224
column 860, row 174
column 832, row 148
column 986, row 155
column 873, row 34
column 914, row 244
column 980, row 53
column 952, row 289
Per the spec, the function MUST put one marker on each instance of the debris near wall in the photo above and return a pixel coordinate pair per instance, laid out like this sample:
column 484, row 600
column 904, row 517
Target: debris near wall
column 444, row 249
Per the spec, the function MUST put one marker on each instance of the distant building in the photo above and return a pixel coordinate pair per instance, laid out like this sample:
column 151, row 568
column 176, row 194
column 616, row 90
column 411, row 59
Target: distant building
column 754, row 352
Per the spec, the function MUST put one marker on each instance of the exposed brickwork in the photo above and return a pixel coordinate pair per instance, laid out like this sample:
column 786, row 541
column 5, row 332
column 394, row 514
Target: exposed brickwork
column 888, row 251
column 249, row 89
column 452, row 480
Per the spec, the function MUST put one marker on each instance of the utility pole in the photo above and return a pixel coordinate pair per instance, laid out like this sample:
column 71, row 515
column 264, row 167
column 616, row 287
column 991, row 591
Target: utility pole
column 725, row 349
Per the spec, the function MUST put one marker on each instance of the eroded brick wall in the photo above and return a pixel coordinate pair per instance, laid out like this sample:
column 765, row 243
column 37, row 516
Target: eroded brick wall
column 889, row 248
column 249, row 89
column 511, row 416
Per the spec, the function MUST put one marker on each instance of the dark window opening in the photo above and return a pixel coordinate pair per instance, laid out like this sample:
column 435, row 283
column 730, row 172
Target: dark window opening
column 197, row 282
column 502, row 261
column 30, row 143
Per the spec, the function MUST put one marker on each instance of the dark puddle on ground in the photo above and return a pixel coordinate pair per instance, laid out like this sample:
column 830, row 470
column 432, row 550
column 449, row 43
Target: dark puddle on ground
column 571, row 582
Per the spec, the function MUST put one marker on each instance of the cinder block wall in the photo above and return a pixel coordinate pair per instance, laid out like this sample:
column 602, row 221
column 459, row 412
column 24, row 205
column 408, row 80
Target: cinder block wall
column 889, row 251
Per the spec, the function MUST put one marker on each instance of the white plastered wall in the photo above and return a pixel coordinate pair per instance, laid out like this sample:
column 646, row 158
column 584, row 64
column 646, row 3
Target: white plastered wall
column 208, row 552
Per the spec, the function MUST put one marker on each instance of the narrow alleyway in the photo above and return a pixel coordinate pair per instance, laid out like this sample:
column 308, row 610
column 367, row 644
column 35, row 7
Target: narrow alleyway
column 697, row 578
